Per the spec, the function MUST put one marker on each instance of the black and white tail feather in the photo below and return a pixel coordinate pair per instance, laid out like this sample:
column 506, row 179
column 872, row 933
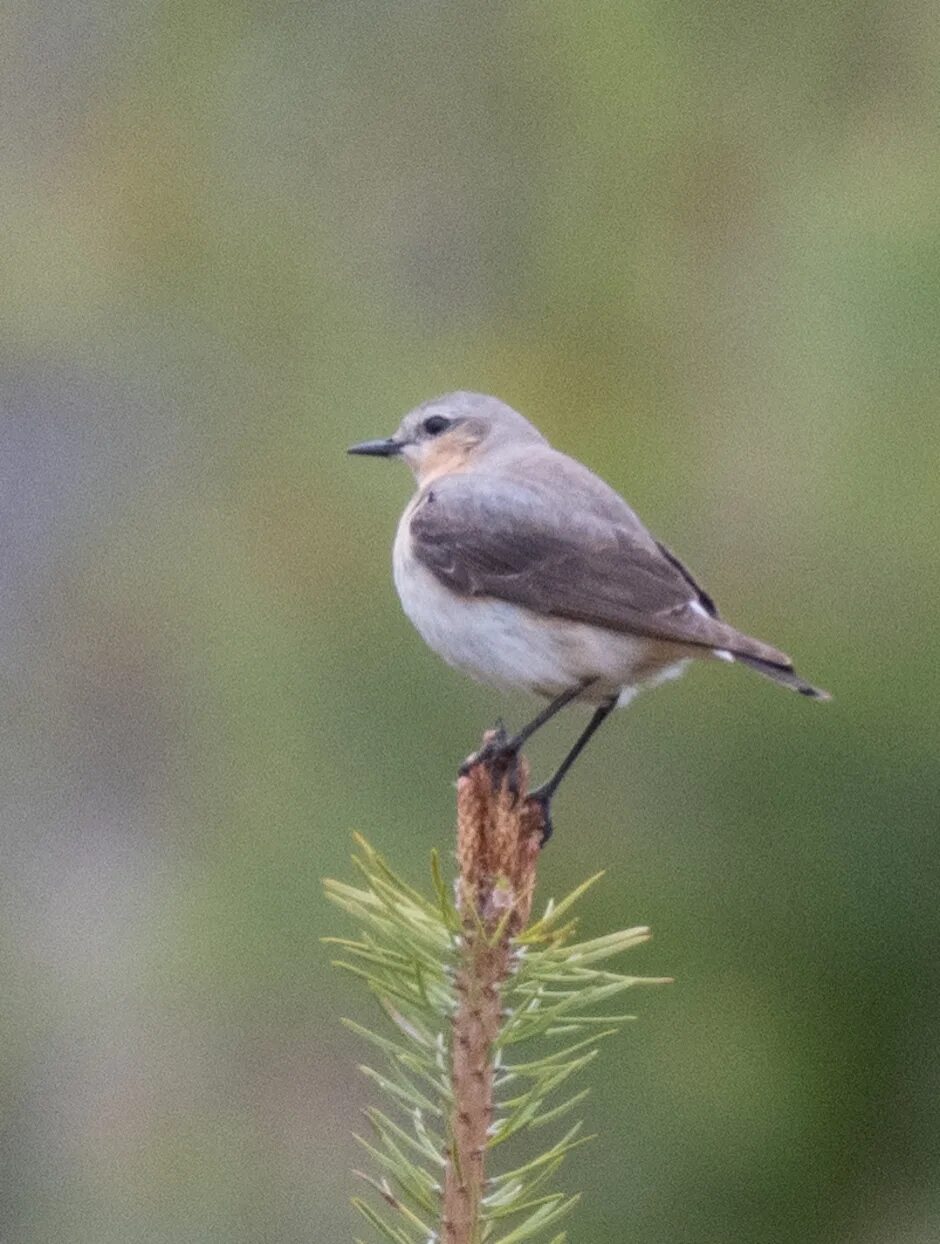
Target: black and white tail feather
column 785, row 675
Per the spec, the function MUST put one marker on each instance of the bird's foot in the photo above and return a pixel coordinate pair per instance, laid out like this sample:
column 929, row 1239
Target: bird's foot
column 500, row 755
column 495, row 742
column 542, row 800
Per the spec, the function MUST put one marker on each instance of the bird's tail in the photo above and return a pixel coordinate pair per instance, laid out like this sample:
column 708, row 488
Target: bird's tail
column 769, row 661
column 732, row 645
column 782, row 672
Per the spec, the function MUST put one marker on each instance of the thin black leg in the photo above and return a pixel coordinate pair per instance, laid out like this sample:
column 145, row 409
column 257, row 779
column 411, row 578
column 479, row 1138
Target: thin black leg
column 547, row 713
column 501, row 747
column 546, row 792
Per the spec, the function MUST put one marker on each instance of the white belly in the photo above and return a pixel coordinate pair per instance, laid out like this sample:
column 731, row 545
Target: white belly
column 508, row 646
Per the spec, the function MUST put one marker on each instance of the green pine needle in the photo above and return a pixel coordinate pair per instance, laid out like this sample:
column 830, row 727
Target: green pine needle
column 408, row 954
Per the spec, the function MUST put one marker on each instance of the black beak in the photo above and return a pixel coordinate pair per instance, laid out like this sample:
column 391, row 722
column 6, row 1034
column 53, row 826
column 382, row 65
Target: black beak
column 377, row 449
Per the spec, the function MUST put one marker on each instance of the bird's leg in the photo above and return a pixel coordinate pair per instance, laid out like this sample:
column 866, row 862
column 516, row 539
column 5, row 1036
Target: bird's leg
column 547, row 713
column 544, row 794
column 499, row 748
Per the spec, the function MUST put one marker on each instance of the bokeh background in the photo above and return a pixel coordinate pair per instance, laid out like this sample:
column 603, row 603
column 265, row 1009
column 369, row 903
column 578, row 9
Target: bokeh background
column 699, row 244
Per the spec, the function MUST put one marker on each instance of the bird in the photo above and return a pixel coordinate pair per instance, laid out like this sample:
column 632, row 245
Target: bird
column 522, row 568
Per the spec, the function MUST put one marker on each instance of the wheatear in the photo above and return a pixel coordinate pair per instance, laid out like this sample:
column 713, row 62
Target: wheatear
column 521, row 567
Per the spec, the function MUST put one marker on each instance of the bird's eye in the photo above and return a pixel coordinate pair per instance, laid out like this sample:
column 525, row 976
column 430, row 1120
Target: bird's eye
column 436, row 425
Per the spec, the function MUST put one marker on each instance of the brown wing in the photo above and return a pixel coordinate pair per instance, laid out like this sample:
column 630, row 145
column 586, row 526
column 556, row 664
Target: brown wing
column 494, row 537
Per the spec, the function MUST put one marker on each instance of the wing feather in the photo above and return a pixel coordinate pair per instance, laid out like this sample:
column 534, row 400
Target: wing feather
column 495, row 537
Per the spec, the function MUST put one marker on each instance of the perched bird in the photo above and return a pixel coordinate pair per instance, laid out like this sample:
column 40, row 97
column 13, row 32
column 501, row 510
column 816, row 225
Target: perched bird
column 521, row 567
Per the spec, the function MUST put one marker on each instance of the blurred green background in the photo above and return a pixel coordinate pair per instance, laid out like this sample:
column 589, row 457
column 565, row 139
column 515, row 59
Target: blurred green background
column 699, row 245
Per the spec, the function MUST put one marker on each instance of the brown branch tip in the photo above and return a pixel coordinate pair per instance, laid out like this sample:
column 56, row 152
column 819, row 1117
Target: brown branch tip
column 499, row 836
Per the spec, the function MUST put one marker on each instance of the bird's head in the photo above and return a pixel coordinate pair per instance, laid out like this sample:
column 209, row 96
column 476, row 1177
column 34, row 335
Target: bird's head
column 452, row 433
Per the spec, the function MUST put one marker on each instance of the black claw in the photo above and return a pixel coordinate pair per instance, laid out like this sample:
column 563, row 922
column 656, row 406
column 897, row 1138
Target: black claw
column 512, row 776
column 500, row 755
column 503, row 764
